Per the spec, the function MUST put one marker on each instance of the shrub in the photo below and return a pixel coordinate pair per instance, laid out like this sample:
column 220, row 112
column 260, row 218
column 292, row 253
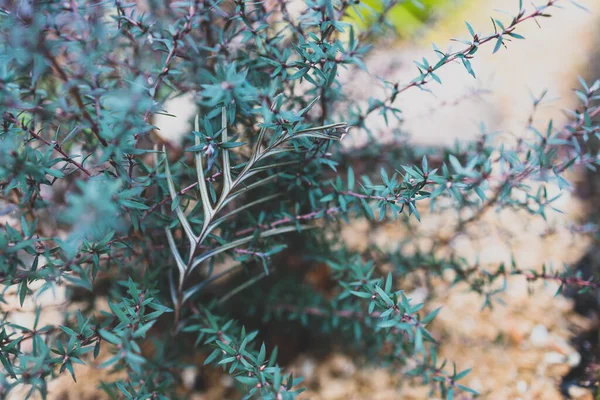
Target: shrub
column 186, row 242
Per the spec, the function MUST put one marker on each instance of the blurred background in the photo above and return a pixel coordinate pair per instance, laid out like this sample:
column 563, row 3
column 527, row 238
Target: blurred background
column 531, row 346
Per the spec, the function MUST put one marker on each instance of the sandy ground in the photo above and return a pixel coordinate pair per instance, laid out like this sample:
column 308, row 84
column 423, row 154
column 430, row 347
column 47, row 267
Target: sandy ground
column 549, row 59
column 519, row 350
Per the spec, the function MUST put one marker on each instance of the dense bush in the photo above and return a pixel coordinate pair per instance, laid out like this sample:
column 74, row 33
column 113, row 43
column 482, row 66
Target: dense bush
column 187, row 241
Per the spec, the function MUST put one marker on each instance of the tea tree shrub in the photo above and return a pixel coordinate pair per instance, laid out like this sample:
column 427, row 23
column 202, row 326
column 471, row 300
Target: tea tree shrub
column 180, row 239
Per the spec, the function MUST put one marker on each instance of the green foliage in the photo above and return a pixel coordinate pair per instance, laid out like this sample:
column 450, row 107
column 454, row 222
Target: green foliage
column 181, row 241
column 405, row 17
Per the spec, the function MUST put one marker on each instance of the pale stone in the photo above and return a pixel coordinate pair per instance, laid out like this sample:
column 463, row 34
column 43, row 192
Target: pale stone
column 173, row 129
column 188, row 376
column 539, row 336
column 574, row 359
column 341, row 365
column 554, row 357
column 577, row 392
column 419, row 295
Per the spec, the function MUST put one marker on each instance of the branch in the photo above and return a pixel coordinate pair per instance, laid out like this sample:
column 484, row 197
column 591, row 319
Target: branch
column 74, row 90
column 466, row 53
column 178, row 35
column 11, row 118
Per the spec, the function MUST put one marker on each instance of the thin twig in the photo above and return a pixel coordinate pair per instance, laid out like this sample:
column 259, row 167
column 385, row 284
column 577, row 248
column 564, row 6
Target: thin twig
column 11, row 118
